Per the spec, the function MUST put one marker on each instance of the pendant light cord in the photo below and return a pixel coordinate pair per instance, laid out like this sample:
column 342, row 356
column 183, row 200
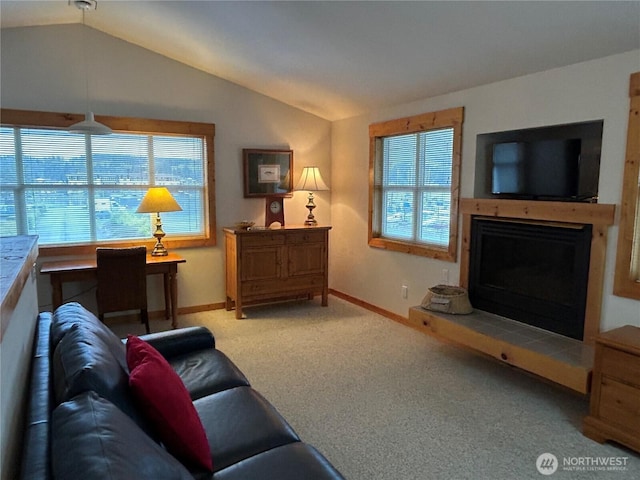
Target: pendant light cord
column 86, row 63
column 88, row 125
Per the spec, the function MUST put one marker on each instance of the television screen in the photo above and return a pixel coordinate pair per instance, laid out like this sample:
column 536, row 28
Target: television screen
column 544, row 168
column 508, row 168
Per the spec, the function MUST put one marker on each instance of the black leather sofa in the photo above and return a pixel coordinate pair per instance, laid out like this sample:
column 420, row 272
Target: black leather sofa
column 82, row 421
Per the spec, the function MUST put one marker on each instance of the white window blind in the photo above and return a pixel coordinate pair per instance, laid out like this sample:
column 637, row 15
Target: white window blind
column 415, row 186
column 74, row 189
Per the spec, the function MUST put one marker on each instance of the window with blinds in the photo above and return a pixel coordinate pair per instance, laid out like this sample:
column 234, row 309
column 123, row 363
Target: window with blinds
column 74, row 189
column 416, row 186
column 414, row 182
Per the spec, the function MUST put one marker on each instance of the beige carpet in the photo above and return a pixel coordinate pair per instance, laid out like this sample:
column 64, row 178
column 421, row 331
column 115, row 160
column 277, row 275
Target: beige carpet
column 385, row 402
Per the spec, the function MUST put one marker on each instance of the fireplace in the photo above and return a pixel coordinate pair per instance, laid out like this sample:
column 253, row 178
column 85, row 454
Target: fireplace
column 564, row 359
column 533, row 272
column 576, row 231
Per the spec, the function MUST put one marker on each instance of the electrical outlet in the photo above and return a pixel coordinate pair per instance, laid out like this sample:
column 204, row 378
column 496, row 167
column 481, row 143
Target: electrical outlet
column 405, row 291
column 445, row 276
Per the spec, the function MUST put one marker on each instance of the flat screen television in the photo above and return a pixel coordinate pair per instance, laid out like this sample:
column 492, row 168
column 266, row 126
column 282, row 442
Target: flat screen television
column 540, row 169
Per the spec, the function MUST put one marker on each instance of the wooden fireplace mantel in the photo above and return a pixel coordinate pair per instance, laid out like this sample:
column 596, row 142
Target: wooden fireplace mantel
column 600, row 216
column 569, row 212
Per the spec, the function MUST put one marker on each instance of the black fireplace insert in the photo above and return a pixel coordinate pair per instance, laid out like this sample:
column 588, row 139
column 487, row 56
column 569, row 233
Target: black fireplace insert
column 531, row 272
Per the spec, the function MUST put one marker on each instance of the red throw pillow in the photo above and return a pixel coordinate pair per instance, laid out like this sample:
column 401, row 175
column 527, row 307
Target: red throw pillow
column 165, row 401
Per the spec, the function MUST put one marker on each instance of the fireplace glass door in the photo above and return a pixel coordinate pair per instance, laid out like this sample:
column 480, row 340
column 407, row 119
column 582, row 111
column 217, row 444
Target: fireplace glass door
column 531, row 272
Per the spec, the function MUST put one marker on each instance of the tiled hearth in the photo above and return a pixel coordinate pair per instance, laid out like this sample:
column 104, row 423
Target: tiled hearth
column 559, row 347
column 550, row 355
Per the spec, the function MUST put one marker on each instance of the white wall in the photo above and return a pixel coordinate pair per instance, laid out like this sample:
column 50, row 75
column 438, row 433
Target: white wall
column 43, row 69
column 587, row 91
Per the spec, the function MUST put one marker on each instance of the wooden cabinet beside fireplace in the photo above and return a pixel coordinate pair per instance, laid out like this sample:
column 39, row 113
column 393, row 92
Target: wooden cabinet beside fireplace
column 615, row 394
column 265, row 265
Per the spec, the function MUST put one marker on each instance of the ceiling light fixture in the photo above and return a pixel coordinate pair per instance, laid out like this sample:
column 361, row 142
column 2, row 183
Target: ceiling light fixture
column 85, row 4
column 89, row 124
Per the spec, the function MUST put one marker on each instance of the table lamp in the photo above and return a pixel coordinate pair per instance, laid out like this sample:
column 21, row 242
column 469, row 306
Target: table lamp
column 311, row 181
column 156, row 200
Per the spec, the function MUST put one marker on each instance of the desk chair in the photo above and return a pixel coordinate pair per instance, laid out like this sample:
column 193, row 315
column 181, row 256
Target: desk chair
column 122, row 281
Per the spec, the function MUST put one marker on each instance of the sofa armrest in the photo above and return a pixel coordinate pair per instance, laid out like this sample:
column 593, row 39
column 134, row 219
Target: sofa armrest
column 36, row 449
column 180, row 341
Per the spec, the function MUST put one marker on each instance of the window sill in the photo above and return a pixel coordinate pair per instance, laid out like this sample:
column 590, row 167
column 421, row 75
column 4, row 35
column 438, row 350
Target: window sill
column 413, row 249
column 90, row 248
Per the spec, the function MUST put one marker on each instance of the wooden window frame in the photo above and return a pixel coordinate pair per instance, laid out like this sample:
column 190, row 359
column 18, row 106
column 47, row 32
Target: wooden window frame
column 35, row 119
column 450, row 118
column 625, row 279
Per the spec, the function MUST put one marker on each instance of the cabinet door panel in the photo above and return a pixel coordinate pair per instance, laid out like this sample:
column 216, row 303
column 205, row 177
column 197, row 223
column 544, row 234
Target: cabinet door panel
column 619, row 404
column 261, row 263
column 306, row 259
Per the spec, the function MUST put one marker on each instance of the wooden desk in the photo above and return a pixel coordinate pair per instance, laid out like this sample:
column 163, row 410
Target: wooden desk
column 85, row 270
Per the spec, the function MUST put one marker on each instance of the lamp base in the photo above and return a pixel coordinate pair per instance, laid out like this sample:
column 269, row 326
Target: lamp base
column 311, row 220
column 159, row 250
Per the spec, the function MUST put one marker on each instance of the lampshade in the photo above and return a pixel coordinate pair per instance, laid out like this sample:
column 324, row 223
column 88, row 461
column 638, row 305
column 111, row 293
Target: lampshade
column 89, row 125
column 311, row 180
column 158, row 199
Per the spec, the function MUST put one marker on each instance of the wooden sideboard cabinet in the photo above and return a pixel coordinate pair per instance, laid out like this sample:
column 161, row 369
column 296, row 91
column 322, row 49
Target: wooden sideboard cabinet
column 265, row 265
column 615, row 395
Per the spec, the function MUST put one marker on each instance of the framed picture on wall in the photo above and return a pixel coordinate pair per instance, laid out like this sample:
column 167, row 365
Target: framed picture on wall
column 267, row 173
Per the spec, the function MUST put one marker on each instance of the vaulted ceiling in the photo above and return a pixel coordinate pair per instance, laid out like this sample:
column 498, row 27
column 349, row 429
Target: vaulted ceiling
column 340, row 59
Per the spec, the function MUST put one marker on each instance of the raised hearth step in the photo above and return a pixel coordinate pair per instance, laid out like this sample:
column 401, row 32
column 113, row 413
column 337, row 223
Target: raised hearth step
column 555, row 357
